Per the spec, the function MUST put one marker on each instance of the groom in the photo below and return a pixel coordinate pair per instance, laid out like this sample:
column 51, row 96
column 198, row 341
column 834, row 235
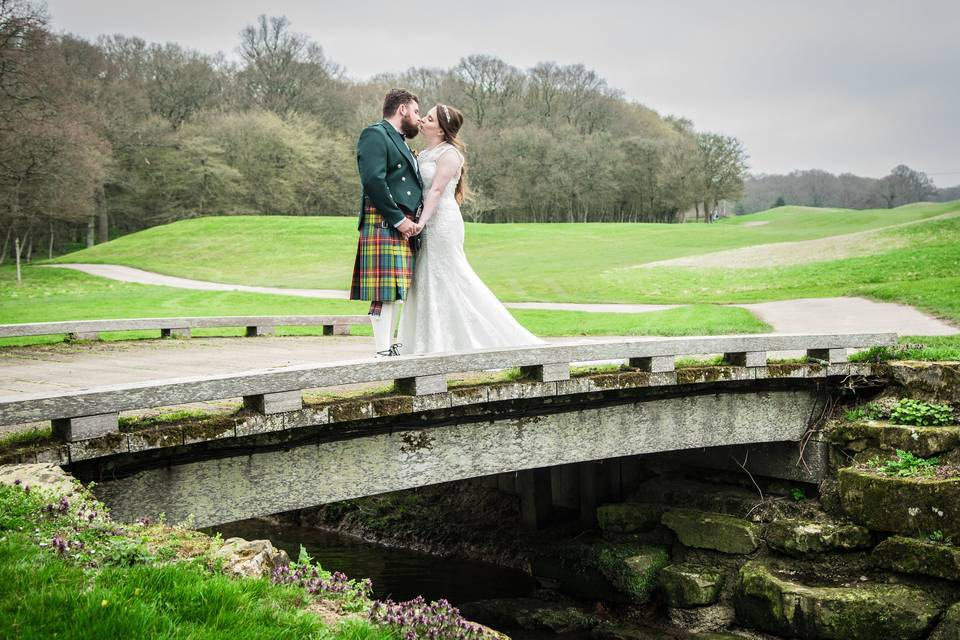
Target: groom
column 392, row 196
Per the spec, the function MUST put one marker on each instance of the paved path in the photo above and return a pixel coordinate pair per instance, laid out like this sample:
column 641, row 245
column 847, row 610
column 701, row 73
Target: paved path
column 809, row 315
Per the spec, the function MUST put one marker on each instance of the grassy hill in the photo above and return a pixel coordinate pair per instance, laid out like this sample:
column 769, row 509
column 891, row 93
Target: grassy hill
column 520, row 262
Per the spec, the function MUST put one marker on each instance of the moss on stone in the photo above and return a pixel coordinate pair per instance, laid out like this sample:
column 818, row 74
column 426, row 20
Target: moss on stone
column 949, row 627
column 691, row 375
column 690, row 585
column 768, row 600
column 916, row 556
column 706, row 530
column 629, row 517
column 799, row 537
column 900, row 505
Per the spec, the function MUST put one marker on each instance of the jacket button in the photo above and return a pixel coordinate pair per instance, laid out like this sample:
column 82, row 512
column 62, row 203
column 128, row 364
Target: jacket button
column 408, row 193
column 403, row 178
column 399, row 165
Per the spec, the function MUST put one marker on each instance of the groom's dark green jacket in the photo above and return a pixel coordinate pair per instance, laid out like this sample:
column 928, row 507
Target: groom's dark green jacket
column 388, row 172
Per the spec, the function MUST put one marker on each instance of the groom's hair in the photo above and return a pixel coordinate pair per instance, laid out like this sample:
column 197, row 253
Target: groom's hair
column 395, row 98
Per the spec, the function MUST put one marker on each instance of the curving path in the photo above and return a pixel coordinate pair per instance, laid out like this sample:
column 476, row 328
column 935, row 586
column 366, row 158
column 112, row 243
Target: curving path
column 806, row 315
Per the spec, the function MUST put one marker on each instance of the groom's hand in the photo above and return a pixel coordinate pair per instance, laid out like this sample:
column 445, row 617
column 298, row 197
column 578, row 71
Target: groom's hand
column 407, row 228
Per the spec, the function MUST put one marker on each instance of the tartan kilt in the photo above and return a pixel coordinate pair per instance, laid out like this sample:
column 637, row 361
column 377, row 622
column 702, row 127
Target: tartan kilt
column 383, row 269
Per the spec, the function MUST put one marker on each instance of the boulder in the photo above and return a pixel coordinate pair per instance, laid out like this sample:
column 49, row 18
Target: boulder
column 915, row 556
column 46, row 476
column 949, row 627
column 920, row 441
column 932, row 381
column 616, row 572
column 629, row 517
column 710, row 619
column 690, row 585
column 901, row 505
column 716, row 531
column 800, row 538
column 773, row 600
column 253, row 558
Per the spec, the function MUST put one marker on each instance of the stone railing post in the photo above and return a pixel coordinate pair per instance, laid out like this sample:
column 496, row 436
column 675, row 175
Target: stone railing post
column 746, row 358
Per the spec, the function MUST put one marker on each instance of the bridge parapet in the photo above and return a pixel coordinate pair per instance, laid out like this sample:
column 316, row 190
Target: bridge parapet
column 181, row 327
column 93, row 413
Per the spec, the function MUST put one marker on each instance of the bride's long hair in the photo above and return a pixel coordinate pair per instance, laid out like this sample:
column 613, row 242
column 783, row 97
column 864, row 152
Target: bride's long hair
column 450, row 121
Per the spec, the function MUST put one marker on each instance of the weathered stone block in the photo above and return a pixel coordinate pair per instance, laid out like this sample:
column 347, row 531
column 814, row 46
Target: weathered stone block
column 260, row 330
column 716, row 531
column 690, row 585
column 746, row 358
column 949, row 627
column 605, row 571
column 529, row 613
column 270, row 403
column 654, row 364
column 336, row 329
column 85, row 427
column 697, row 375
column 629, row 517
column 547, row 372
column 920, row 441
column 422, row 385
column 154, row 438
column 768, row 600
column 912, row 555
column 900, row 505
column 935, row 381
column 182, row 332
column 799, row 538
column 83, row 335
column 832, row 356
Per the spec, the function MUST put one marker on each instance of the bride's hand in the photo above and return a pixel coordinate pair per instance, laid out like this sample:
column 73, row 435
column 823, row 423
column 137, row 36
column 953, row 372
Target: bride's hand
column 418, row 228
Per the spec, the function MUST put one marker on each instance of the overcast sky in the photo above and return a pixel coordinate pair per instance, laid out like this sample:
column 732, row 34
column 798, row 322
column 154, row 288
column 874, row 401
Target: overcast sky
column 857, row 86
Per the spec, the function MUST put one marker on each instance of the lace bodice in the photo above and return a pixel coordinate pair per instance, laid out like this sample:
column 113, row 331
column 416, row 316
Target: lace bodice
column 427, row 161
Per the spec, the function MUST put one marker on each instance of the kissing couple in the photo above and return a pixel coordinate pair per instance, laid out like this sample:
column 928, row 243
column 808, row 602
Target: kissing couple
column 411, row 239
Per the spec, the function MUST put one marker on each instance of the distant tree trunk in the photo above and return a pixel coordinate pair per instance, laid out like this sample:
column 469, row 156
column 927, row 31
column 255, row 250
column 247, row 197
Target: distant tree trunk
column 16, row 251
column 103, row 227
column 50, row 246
column 6, row 243
column 91, row 231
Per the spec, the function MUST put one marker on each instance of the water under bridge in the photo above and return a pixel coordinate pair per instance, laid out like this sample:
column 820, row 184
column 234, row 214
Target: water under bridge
column 547, row 427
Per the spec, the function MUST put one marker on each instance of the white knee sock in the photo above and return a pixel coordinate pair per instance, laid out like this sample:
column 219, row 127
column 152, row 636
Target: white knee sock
column 383, row 326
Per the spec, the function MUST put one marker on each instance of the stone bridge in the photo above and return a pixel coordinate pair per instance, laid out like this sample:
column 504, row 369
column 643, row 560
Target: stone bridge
column 548, row 426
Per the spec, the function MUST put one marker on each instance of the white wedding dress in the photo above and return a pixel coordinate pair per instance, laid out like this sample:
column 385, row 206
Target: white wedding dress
column 448, row 307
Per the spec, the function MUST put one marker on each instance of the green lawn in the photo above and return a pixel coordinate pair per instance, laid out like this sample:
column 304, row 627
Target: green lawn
column 49, row 295
column 520, row 262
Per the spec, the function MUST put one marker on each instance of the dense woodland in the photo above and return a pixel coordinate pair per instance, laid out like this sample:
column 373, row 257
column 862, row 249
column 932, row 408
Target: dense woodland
column 102, row 138
column 120, row 134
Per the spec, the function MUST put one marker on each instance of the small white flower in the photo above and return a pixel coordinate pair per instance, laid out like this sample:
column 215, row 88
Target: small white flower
column 913, row 511
column 937, row 511
column 915, row 435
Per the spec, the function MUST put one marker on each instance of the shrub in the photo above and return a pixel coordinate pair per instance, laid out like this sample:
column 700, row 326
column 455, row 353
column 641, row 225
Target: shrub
column 921, row 414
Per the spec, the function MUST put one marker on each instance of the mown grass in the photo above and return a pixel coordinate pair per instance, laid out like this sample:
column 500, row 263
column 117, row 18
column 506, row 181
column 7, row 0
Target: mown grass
column 68, row 571
column 520, row 262
column 48, row 295
column 928, row 348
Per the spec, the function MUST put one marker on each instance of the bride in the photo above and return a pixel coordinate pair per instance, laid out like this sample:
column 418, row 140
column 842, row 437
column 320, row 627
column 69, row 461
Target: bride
column 448, row 307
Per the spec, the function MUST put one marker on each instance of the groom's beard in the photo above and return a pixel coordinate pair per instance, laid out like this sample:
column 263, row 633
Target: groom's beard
column 410, row 129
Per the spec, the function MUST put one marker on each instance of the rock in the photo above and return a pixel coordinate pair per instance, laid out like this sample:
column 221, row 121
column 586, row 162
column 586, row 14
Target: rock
column 933, row 381
column 690, row 585
column 695, row 494
column 529, row 613
column 716, row 531
column 47, row 477
column 616, row 572
column 253, row 558
column 711, row 618
column 949, row 627
column 912, row 555
column 921, row 441
column 799, row 538
column 770, row 601
column 611, row 631
column 716, row 636
column 901, row 505
column 629, row 517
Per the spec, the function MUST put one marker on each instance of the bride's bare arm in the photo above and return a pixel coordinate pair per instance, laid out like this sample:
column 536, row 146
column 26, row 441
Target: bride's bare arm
column 447, row 166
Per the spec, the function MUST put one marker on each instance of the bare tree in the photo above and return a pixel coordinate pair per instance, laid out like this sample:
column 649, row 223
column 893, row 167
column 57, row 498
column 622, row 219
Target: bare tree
column 487, row 82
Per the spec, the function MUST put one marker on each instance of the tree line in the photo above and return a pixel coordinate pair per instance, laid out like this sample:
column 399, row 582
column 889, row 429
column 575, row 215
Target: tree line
column 818, row 188
column 107, row 137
